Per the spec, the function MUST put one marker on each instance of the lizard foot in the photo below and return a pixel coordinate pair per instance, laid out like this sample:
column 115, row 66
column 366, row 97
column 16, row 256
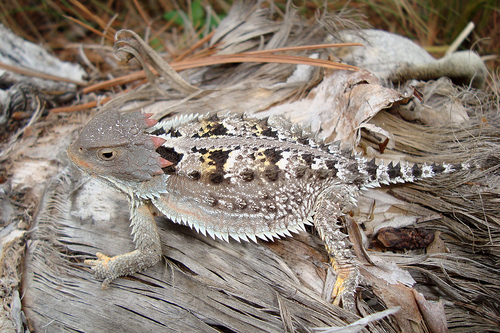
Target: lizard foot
column 344, row 290
column 103, row 268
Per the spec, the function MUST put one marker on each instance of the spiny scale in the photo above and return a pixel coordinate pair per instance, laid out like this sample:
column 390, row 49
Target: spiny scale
column 241, row 177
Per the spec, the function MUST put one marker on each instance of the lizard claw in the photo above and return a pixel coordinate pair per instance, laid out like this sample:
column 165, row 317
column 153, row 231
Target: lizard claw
column 101, row 268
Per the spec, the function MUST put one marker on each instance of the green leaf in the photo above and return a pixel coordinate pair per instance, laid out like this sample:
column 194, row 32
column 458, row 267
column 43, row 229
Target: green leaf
column 173, row 15
column 197, row 13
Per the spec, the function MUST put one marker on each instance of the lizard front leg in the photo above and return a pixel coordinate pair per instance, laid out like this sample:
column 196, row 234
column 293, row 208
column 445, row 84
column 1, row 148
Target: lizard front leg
column 147, row 253
column 342, row 258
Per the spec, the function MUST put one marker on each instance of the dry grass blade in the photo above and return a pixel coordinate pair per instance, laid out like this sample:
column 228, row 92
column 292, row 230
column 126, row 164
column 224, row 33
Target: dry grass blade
column 248, row 57
column 304, row 48
column 194, row 47
column 117, row 81
column 96, row 18
column 80, row 107
column 86, row 26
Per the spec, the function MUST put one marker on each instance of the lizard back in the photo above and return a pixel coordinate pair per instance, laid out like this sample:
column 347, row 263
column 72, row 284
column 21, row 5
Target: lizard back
column 244, row 177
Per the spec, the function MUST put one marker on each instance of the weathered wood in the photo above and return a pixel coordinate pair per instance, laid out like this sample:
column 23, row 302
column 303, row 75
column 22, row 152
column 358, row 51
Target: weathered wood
column 209, row 285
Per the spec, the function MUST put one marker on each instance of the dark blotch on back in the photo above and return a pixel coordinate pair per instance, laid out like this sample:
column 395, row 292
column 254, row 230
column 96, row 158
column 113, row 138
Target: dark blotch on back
column 212, row 117
column 346, row 152
column 416, row 171
column 159, row 131
column 194, row 175
column 247, row 175
column 371, row 169
column 324, row 147
column 437, row 168
column 265, row 129
column 202, row 151
column 270, row 133
column 303, row 141
column 174, row 133
column 218, row 157
column 215, row 129
column 323, row 173
column 216, row 177
column 273, row 155
column 271, row 172
column 357, row 177
column 394, row 171
column 330, row 164
column 300, row 171
column 170, row 155
column 353, row 168
column 308, row 158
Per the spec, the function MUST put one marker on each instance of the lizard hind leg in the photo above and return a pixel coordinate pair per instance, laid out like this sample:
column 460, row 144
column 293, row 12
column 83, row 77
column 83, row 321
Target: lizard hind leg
column 340, row 253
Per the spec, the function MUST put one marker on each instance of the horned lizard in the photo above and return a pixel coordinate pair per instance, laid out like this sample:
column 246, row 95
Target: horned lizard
column 231, row 177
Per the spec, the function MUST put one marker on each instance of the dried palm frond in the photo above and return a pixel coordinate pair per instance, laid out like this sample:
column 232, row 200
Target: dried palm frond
column 271, row 287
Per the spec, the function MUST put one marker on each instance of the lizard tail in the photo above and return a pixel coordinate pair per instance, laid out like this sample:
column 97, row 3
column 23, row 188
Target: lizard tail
column 404, row 172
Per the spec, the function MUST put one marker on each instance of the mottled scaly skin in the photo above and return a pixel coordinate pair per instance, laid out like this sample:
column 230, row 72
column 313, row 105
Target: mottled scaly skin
column 233, row 176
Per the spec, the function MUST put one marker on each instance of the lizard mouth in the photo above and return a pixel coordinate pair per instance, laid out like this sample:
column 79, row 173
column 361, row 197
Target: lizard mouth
column 73, row 156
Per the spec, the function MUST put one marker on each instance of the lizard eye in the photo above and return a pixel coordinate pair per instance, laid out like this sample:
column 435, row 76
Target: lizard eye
column 106, row 154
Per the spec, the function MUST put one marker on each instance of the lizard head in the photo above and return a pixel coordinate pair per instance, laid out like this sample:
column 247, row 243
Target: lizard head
column 115, row 146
